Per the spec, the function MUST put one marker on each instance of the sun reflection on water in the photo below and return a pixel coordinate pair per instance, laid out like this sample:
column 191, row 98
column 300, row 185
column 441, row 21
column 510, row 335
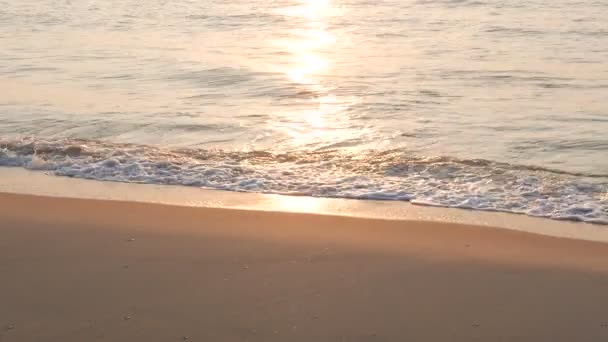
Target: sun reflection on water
column 308, row 59
column 307, row 66
column 298, row 204
column 318, row 116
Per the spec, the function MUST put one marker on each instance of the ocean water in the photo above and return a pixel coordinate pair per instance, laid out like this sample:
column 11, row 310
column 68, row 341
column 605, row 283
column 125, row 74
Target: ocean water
column 492, row 105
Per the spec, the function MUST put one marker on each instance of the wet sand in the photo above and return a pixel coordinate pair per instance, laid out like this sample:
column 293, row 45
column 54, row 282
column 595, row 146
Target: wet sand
column 98, row 270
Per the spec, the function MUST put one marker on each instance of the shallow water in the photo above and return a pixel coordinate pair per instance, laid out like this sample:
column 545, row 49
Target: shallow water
column 495, row 105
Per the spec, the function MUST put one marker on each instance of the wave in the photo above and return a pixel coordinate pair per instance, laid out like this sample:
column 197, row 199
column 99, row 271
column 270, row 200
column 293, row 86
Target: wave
column 376, row 175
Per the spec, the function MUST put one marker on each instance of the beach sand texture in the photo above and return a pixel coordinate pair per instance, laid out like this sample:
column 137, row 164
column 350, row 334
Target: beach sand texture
column 93, row 270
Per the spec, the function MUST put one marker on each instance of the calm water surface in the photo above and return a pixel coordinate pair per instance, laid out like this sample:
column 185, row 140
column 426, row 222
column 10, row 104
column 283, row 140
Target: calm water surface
column 497, row 105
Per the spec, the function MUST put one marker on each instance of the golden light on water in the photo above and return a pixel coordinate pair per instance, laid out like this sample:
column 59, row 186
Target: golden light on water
column 319, row 116
column 296, row 204
column 309, row 9
column 308, row 59
column 318, row 3
column 307, row 66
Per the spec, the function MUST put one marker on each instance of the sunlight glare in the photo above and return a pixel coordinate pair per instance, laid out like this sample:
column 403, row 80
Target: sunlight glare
column 308, row 60
column 296, row 204
column 307, row 65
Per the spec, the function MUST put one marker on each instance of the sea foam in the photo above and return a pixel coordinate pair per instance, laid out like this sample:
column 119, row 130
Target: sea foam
column 389, row 175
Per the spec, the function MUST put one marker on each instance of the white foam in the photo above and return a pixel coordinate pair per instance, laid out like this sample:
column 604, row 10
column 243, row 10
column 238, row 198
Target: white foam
column 379, row 176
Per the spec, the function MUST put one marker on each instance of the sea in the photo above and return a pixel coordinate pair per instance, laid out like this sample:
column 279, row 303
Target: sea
column 497, row 105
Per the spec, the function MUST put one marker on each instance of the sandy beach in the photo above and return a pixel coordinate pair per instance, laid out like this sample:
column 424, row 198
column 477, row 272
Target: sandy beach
column 303, row 171
column 95, row 270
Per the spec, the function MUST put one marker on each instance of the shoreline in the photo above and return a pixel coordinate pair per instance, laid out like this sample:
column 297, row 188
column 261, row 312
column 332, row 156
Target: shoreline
column 449, row 182
column 108, row 270
column 157, row 218
column 27, row 182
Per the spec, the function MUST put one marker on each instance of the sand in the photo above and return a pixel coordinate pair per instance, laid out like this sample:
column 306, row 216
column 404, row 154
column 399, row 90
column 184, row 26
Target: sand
column 99, row 270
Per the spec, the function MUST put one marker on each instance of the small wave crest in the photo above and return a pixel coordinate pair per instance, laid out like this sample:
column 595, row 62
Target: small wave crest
column 380, row 175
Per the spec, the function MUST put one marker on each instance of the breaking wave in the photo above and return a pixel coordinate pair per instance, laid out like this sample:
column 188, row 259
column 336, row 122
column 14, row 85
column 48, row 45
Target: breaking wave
column 387, row 175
